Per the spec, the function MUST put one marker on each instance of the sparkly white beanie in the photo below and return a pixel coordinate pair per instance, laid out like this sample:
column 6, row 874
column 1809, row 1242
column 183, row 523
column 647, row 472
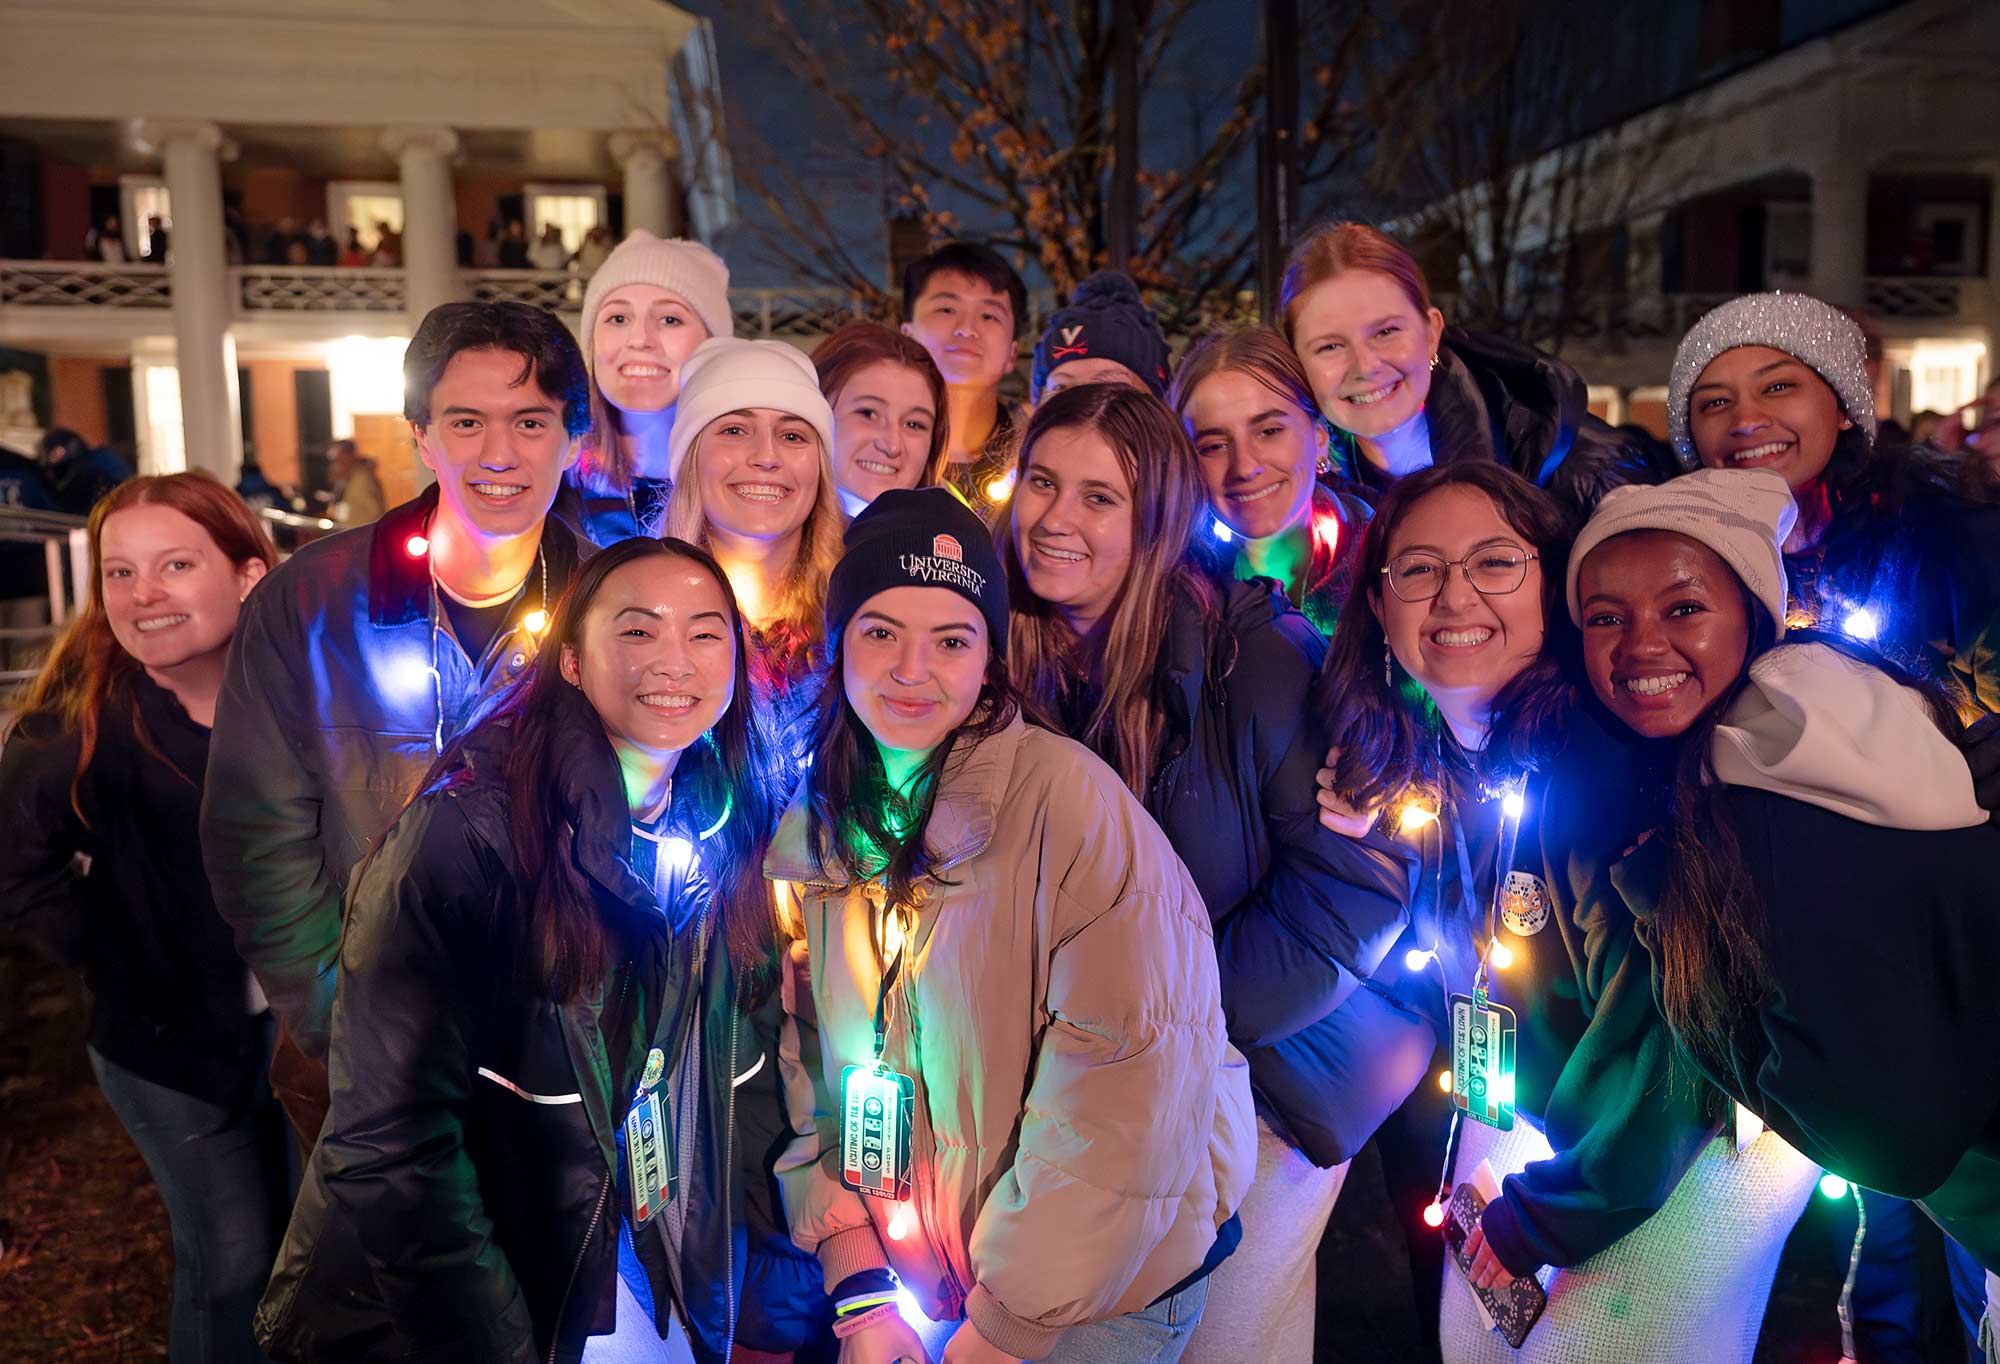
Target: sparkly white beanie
column 733, row 374
column 1743, row 515
column 1819, row 334
column 679, row 266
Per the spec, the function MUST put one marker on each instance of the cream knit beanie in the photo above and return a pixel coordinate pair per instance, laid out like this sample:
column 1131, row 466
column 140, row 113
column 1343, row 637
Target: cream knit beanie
column 732, row 374
column 1743, row 515
column 679, row 266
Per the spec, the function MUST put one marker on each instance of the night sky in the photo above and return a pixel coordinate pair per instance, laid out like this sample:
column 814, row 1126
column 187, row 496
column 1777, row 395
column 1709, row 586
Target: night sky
column 1218, row 42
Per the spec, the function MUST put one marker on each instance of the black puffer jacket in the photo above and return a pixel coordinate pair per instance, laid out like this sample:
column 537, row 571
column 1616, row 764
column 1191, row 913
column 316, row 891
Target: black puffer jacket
column 1498, row 400
column 1302, row 915
column 463, row 1201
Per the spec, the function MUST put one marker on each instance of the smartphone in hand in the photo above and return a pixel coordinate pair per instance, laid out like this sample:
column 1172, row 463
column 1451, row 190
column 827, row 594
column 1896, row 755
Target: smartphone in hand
column 1516, row 1308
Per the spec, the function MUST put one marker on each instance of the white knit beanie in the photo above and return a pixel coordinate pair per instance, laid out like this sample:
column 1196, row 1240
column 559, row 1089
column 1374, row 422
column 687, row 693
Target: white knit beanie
column 1743, row 515
column 679, row 266
column 732, row 374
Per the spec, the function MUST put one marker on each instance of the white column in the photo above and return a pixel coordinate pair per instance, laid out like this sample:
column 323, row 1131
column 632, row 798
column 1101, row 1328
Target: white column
column 430, row 216
column 650, row 200
column 204, row 352
column 1840, row 230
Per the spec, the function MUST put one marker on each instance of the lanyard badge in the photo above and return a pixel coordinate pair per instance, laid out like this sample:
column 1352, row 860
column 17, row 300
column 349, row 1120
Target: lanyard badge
column 649, row 1149
column 876, row 1105
column 875, row 1111
column 1482, row 1059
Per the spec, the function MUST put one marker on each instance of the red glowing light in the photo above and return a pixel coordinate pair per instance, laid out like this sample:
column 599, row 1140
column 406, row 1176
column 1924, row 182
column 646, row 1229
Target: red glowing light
column 1434, row 1215
column 1326, row 530
column 418, row 546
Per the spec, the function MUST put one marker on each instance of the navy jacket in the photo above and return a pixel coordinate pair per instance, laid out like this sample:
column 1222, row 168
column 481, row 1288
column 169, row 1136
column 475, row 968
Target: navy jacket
column 1302, row 915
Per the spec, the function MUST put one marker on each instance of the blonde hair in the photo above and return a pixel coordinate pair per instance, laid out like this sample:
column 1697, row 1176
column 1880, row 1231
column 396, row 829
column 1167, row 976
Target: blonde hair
column 1169, row 501
column 791, row 631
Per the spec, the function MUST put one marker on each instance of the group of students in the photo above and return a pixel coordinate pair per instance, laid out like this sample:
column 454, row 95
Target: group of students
column 803, row 850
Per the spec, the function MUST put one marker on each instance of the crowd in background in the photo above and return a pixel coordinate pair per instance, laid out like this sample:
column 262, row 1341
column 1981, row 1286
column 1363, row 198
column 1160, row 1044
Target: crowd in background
column 808, row 857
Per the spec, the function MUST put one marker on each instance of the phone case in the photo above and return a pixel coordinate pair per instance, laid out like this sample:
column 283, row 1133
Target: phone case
column 1516, row 1308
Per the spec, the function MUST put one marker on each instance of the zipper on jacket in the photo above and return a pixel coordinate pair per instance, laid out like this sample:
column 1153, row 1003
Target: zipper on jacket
column 728, row 1169
column 596, row 1216
column 555, row 1336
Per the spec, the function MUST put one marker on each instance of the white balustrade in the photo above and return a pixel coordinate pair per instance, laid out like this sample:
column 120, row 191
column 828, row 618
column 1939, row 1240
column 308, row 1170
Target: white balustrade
column 318, row 289
column 83, row 284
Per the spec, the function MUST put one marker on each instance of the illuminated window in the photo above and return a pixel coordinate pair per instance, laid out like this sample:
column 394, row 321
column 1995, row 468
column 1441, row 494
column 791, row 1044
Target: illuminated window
column 364, row 205
column 573, row 209
column 141, row 197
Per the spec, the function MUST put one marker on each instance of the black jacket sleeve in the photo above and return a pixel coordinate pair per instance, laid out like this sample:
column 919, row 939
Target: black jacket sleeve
column 260, row 820
column 38, row 891
column 1329, row 907
column 1625, row 1117
column 393, row 1156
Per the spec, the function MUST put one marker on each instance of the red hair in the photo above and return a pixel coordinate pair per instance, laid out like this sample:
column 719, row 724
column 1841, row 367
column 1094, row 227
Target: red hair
column 88, row 669
column 858, row 345
column 1336, row 248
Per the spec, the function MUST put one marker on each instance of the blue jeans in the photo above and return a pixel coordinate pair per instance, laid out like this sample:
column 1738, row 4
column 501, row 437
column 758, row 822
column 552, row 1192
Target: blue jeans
column 223, row 1179
column 1154, row 1335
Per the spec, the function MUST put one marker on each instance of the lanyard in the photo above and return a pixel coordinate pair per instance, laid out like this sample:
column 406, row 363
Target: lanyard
column 1513, row 804
column 892, row 915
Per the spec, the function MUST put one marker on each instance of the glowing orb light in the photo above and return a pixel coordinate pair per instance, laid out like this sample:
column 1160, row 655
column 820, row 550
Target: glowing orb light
column 536, row 620
column 418, row 546
column 1444, row 1081
column 1434, row 1214
column 1417, row 958
column 1513, row 803
column 1861, row 623
column 1221, row 531
column 1502, row 956
column 1833, row 1186
column 1415, row 817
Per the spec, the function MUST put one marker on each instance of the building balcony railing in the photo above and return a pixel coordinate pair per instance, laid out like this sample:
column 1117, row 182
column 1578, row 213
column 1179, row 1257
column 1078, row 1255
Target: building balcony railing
column 1913, row 296
column 264, row 290
column 557, row 290
column 83, row 284
column 99, row 289
column 317, row 289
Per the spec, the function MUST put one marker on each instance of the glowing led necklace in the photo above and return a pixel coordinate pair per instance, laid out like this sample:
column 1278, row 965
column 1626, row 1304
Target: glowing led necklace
column 1481, row 1078
column 418, row 546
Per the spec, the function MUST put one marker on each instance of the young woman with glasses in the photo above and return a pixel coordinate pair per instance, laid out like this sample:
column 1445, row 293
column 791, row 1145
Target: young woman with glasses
column 1447, row 706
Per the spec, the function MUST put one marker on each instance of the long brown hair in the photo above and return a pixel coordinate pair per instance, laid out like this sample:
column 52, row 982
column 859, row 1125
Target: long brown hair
column 1710, row 927
column 858, row 345
column 1389, row 734
column 790, row 644
column 88, row 669
column 1336, row 248
column 1168, row 502
column 720, row 782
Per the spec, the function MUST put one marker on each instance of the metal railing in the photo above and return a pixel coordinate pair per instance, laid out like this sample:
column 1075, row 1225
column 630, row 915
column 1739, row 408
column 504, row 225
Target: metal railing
column 65, row 546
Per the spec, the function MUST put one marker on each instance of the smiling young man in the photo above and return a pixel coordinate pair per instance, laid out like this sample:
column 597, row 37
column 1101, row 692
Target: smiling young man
column 359, row 658
column 968, row 306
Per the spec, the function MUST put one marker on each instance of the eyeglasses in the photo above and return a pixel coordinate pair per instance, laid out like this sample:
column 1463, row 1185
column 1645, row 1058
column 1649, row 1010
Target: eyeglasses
column 1493, row 571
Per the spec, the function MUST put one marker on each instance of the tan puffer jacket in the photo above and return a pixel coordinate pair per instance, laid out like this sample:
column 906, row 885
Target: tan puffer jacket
column 1083, row 1127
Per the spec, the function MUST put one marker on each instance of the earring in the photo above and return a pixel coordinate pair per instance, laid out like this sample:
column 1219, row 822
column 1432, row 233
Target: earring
column 1388, row 665
column 1324, row 464
column 1434, row 359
